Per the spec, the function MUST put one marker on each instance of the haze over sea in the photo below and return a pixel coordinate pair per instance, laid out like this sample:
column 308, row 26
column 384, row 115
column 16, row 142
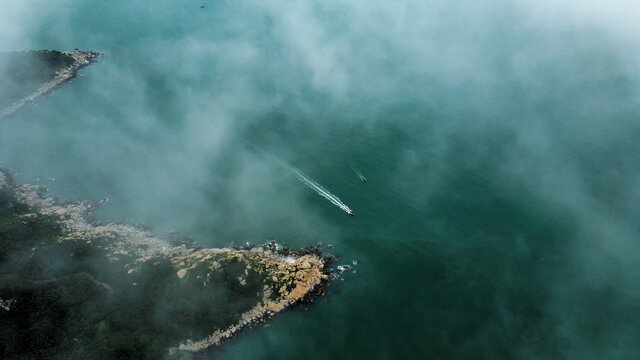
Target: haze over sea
column 499, row 140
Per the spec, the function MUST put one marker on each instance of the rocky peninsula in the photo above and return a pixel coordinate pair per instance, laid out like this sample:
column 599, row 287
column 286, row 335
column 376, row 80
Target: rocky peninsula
column 29, row 75
column 72, row 286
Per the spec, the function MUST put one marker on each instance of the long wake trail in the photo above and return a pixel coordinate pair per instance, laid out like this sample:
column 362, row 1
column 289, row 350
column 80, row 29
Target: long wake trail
column 319, row 189
column 313, row 185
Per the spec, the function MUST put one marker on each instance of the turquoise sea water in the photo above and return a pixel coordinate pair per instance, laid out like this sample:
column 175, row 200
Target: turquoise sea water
column 499, row 218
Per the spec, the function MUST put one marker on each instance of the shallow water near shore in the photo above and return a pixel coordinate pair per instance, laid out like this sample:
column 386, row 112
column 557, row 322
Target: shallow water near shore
column 499, row 215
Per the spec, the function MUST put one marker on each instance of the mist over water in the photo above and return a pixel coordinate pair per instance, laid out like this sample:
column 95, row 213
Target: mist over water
column 498, row 138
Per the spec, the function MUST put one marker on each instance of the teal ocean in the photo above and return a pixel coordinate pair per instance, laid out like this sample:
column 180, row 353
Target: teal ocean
column 499, row 139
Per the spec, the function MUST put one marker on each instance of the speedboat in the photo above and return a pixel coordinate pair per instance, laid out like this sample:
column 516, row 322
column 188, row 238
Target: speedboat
column 352, row 213
column 363, row 178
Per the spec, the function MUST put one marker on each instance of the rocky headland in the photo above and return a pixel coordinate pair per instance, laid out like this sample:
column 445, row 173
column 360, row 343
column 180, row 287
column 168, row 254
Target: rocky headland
column 75, row 287
column 29, row 75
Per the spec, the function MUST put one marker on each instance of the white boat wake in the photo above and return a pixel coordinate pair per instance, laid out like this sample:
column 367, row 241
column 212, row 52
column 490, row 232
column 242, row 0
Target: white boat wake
column 312, row 184
column 320, row 190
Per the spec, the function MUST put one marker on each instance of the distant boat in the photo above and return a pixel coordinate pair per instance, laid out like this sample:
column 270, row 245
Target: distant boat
column 351, row 213
column 359, row 175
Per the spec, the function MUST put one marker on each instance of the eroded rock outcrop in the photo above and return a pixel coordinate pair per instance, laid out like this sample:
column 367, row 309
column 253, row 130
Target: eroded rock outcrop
column 19, row 71
column 107, row 287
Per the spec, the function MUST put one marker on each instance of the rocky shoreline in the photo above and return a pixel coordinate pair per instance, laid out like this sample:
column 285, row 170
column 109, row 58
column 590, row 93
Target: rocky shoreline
column 79, row 60
column 308, row 289
column 233, row 289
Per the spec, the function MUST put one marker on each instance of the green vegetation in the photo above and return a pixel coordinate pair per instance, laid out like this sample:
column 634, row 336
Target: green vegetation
column 73, row 299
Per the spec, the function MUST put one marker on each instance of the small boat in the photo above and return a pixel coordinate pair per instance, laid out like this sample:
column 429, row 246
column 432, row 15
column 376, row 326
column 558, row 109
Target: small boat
column 352, row 213
column 363, row 178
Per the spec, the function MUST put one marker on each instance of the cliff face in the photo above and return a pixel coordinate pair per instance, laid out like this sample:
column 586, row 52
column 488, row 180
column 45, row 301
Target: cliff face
column 28, row 75
column 73, row 287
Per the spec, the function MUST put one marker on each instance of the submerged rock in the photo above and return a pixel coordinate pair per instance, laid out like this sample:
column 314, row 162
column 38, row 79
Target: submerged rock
column 81, row 288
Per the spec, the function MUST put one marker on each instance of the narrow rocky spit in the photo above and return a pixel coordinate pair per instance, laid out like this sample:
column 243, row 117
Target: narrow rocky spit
column 80, row 287
column 76, row 60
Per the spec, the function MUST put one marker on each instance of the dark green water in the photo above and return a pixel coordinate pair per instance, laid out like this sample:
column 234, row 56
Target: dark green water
column 499, row 219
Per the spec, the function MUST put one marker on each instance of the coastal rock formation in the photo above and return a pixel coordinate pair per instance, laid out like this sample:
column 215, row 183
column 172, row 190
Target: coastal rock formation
column 80, row 288
column 285, row 281
column 29, row 75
